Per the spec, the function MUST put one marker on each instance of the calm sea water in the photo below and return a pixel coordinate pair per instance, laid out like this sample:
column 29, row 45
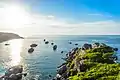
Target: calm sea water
column 44, row 61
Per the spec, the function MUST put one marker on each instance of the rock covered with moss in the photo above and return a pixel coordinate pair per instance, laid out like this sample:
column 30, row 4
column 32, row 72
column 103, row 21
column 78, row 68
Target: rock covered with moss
column 94, row 62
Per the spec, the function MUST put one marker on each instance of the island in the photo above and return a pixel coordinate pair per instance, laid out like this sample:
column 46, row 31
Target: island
column 8, row 36
column 90, row 62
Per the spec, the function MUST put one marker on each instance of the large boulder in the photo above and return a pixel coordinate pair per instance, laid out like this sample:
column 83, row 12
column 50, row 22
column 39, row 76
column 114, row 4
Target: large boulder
column 46, row 42
column 30, row 50
column 86, row 46
column 14, row 70
column 14, row 73
column 54, row 47
column 103, row 45
column 95, row 45
column 33, row 45
column 62, row 70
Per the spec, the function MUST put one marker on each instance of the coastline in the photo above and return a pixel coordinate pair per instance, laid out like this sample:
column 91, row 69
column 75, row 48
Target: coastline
column 89, row 63
column 8, row 36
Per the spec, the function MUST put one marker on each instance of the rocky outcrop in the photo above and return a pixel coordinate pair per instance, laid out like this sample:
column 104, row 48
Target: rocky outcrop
column 14, row 73
column 93, row 62
column 52, row 43
column 46, row 42
column 70, row 42
column 8, row 36
column 95, row 45
column 30, row 50
column 54, row 47
column 86, row 46
column 33, row 45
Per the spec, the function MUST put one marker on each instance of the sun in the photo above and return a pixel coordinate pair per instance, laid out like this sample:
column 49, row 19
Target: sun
column 15, row 16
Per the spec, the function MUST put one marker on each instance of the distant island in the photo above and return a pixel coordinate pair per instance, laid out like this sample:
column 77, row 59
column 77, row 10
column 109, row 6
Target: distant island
column 4, row 36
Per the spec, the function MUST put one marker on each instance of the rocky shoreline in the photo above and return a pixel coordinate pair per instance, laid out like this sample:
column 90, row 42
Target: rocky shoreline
column 90, row 62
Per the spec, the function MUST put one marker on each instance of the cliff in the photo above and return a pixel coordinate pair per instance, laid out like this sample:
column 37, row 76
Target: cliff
column 8, row 36
column 91, row 62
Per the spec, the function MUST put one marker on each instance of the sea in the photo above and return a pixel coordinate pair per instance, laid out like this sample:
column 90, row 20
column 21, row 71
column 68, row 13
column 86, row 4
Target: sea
column 43, row 62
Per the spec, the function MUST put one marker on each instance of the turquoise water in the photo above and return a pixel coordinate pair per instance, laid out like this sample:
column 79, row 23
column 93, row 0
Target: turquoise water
column 44, row 61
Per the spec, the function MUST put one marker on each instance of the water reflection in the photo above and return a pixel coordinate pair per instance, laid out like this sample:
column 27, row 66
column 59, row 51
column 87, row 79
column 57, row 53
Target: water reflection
column 15, row 50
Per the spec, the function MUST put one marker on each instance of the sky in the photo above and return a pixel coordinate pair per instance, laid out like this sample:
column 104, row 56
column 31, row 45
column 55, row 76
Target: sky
column 60, row 17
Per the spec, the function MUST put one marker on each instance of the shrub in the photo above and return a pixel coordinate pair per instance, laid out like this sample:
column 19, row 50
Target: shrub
column 99, row 66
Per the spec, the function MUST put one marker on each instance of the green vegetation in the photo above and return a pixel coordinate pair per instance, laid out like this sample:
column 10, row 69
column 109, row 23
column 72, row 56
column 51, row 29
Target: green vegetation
column 94, row 64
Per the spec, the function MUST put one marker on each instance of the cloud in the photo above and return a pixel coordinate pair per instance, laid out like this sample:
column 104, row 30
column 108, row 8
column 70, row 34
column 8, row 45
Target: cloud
column 54, row 26
column 98, row 27
column 51, row 25
column 96, row 14
column 101, row 15
column 40, row 24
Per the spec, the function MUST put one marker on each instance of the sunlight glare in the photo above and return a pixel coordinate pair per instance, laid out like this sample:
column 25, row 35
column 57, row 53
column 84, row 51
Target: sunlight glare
column 15, row 16
column 16, row 46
